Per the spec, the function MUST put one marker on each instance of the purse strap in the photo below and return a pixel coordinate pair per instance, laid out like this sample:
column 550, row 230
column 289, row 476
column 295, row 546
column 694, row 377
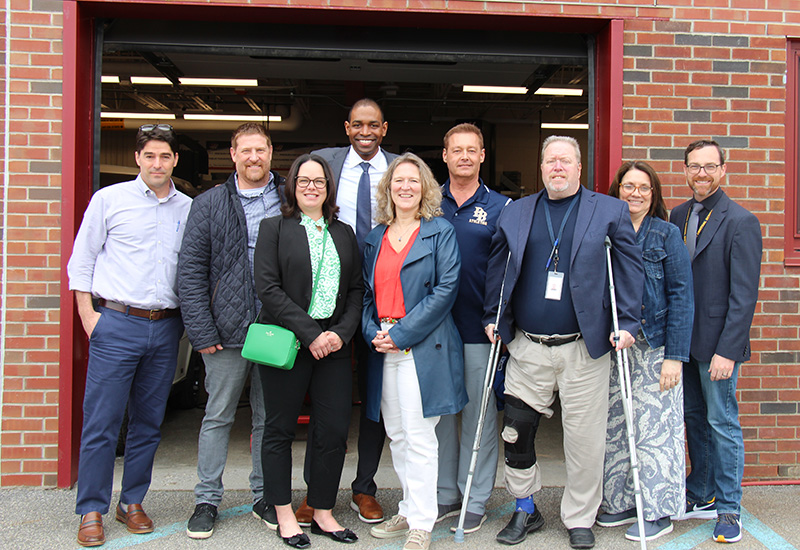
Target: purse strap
column 319, row 268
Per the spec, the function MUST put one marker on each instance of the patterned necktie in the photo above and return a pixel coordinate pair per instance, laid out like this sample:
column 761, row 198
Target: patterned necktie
column 691, row 228
column 363, row 207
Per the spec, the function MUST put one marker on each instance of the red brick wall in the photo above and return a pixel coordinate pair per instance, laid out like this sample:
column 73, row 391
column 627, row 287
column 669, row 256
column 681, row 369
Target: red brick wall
column 693, row 68
column 32, row 240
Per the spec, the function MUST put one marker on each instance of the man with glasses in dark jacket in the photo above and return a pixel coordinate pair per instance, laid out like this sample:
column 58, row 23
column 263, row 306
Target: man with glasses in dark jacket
column 219, row 301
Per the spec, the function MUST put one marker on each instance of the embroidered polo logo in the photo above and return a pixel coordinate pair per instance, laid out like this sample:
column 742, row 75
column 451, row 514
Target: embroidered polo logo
column 270, row 333
column 479, row 216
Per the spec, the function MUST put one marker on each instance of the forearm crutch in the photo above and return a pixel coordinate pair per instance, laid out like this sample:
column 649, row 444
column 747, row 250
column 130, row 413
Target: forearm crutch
column 624, row 375
column 488, row 382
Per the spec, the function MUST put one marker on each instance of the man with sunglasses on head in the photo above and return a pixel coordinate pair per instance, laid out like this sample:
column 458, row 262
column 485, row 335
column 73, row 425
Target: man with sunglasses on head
column 724, row 242
column 219, row 302
column 123, row 271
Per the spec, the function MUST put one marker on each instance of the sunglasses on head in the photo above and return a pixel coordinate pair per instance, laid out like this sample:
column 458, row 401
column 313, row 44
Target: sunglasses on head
column 151, row 127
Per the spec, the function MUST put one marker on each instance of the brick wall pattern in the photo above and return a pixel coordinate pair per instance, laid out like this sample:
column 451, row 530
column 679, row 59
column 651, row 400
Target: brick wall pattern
column 710, row 68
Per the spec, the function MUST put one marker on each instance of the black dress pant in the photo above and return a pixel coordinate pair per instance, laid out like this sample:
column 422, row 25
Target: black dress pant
column 328, row 382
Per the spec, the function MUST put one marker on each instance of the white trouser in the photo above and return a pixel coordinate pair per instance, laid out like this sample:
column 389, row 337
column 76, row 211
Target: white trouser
column 413, row 440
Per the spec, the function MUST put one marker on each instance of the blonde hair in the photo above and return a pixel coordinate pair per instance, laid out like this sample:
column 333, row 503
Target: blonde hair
column 431, row 201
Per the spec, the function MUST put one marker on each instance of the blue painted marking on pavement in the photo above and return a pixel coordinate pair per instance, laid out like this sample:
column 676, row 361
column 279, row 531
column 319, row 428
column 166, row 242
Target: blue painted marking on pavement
column 751, row 525
column 764, row 534
column 161, row 532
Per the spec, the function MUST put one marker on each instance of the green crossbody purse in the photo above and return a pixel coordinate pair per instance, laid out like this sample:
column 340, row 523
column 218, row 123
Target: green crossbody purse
column 273, row 345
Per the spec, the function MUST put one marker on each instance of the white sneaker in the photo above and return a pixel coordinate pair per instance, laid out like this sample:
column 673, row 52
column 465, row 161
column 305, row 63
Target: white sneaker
column 391, row 528
column 417, row 539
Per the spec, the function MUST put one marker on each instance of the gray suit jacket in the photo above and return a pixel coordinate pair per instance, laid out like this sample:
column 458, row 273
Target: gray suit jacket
column 335, row 156
column 726, row 269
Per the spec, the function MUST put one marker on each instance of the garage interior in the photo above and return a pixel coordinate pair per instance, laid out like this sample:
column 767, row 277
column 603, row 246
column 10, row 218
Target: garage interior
column 303, row 78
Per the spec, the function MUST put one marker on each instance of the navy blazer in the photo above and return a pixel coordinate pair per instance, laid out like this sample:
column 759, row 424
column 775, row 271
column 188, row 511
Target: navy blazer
column 430, row 276
column 726, row 268
column 598, row 216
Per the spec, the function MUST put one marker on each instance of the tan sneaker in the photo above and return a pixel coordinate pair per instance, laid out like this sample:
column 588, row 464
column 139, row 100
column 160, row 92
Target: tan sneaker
column 417, row 539
column 391, row 528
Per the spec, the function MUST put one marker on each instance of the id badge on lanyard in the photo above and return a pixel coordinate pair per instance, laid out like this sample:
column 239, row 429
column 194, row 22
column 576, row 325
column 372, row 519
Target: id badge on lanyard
column 554, row 287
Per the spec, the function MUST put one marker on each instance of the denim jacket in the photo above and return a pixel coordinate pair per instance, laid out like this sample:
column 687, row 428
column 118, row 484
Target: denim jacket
column 668, row 301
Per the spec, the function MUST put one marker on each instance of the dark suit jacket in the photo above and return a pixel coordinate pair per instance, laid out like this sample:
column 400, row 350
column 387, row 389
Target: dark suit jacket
column 335, row 157
column 598, row 216
column 284, row 280
column 726, row 268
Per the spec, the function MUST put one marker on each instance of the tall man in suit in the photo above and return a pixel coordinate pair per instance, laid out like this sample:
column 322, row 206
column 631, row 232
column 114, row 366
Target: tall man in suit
column 556, row 320
column 357, row 169
column 724, row 242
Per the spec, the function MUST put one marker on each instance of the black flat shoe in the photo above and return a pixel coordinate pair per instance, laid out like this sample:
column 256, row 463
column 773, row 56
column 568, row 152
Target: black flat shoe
column 300, row 540
column 345, row 535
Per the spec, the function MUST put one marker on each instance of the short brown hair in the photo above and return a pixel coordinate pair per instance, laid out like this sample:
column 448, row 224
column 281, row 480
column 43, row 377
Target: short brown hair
column 289, row 208
column 657, row 207
column 464, row 128
column 249, row 128
column 699, row 144
column 431, row 201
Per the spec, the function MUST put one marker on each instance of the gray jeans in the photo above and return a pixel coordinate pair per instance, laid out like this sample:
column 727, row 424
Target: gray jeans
column 226, row 374
column 455, row 442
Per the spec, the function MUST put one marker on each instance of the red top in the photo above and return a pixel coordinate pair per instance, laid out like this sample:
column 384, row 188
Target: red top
column 388, row 288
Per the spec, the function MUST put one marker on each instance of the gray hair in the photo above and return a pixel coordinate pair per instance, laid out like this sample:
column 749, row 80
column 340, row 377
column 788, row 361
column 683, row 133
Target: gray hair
column 566, row 139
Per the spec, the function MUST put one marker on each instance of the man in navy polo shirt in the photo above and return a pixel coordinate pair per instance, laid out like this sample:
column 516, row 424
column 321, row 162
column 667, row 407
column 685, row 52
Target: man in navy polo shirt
column 473, row 210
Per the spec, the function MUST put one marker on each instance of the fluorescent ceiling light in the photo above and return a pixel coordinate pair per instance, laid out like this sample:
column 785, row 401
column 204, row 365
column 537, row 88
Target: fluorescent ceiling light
column 564, row 126
column 252, row 82
column 559, row 91
column 495, row 89
column 109, row 79
column 143, row 116
column 150, row 80
column 233, row 118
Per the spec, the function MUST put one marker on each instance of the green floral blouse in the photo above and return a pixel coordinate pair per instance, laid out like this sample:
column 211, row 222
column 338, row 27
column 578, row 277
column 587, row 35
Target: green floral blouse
column 323, row 303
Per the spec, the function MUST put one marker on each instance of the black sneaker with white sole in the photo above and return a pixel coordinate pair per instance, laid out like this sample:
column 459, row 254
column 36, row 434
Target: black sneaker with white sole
column 201, row 524
column 266, row 513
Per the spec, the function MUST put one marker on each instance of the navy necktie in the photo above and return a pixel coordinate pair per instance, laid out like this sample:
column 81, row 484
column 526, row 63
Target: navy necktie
column 363, row 207
column 691, row 228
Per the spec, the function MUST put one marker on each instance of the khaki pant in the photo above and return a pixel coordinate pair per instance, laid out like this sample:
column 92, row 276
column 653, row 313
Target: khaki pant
column 535, row 372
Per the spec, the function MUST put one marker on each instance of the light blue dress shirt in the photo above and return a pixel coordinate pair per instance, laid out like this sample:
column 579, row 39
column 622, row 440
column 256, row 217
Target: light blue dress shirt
column 127, row 247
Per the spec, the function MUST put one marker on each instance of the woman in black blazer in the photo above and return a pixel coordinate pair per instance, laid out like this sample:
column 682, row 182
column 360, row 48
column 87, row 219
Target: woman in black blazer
column 308, row 251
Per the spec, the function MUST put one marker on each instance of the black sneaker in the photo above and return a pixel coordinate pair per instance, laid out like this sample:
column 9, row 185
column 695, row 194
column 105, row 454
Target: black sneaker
column 201, row 524
column 266, row 513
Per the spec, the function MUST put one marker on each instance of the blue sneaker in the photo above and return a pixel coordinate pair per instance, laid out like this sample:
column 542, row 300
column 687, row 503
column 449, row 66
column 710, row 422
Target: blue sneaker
column 699, row 510
column 728, row 529
column 652, row 529
column 613, row 520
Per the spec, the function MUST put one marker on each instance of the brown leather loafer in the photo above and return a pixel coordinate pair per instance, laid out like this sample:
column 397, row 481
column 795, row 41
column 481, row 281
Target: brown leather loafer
column 304, row 514
column 369, row 511
column 91, row 533
column 135, row 519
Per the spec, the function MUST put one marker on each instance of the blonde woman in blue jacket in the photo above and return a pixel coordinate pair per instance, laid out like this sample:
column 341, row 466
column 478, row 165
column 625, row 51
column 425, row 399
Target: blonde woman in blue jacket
column 411, row 272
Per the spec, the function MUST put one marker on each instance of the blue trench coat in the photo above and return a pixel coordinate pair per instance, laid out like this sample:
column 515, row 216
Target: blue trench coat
column 429, row 276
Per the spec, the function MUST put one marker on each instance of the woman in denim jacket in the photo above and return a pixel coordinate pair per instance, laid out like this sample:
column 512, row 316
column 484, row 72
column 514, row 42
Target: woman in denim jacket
column 656, row 363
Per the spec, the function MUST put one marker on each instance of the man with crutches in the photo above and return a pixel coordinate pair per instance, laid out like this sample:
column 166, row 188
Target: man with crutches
column 556, row 320
column 473, row 209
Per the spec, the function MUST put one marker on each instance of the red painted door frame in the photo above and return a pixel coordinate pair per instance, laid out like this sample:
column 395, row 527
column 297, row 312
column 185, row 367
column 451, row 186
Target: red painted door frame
column 78, row 143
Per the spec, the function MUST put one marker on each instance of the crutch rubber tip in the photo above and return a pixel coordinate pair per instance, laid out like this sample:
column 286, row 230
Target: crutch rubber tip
column 459, row 536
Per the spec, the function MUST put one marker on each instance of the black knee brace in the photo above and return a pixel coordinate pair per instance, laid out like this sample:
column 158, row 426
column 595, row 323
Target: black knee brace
column 520, row 423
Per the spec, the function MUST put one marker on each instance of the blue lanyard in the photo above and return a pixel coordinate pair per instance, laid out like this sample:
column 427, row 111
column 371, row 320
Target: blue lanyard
column 553, row 239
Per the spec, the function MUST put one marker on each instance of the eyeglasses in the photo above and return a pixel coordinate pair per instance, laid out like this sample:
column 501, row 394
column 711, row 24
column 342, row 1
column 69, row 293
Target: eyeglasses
column 303, row 182
column 710, row 169
column 643, row 189
column 151, row 127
